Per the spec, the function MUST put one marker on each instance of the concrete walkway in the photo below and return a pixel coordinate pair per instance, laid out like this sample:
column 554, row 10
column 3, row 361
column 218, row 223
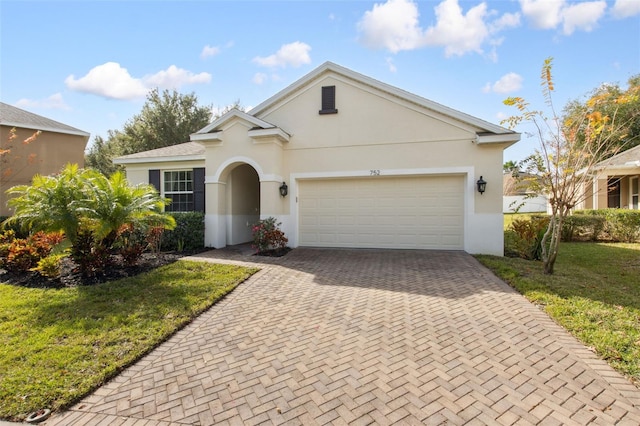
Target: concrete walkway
column 365, row 337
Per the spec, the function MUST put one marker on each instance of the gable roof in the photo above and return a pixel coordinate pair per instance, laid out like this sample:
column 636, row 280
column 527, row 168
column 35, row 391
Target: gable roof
column 487, row 134
column 233, row 113
column 11, row 116
column 181, row 152
column 628, row 158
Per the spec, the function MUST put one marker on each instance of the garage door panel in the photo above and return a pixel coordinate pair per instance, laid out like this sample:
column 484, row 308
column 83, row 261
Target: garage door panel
column 401, row 212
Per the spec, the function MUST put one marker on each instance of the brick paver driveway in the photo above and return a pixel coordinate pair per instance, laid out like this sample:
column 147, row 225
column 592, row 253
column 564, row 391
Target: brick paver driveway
column 362, row 337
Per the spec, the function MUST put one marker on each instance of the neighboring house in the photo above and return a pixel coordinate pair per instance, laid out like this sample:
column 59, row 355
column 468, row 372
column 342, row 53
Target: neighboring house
column 615, row 182
column 517, row 194
column 56, row 145
column 365, row 164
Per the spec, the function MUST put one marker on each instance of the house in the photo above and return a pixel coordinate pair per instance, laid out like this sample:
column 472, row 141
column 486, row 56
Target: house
column 341, row 160
column 55, row 146
column 615, row 182
column 517, row 194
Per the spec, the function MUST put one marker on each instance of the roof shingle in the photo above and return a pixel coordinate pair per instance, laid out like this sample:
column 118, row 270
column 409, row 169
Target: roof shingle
column 15, row 117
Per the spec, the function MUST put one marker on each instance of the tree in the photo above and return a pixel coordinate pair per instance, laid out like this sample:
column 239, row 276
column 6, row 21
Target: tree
column 100, row 157
column 610, row 100
column 166, row 119
column 510, row 167
column 569, row 149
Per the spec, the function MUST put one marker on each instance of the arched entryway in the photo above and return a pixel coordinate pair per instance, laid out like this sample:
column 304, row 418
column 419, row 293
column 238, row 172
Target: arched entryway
column 242, row 202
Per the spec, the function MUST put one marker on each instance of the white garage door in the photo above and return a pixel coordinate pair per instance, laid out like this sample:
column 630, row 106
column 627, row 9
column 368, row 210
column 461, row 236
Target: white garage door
column 383, row 212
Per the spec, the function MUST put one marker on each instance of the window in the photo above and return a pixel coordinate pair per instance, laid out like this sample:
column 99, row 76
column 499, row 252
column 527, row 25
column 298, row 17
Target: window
column 328, row 100
column 178, row 186
column 613, row 193
column 634, row 193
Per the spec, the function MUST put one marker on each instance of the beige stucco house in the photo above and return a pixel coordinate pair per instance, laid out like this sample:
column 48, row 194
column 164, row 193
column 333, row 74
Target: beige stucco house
column 365, row 164
column 56, row 145
column 615, row 182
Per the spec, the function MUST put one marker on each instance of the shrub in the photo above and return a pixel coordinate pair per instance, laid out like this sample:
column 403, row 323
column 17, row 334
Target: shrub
column 23, row 254
column 15, row 226
column 267, row 235
column 91, row 257
column 154, row 238
column 524, row 238
column 50, row 266
column 130, row 243
column 623, row 225
column 582, row 227
column 188, row 235
column 618, row 224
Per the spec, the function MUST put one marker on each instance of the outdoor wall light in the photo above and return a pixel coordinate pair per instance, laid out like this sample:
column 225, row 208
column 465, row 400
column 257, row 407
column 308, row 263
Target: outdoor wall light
column 284, row 189
column 482, row 185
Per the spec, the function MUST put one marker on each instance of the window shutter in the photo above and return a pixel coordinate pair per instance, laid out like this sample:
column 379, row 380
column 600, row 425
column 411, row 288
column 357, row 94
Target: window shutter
column 198, row 189
column 154, row 179
column 328, row 100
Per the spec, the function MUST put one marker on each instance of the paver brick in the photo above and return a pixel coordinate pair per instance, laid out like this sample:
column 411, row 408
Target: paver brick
column 365, row 336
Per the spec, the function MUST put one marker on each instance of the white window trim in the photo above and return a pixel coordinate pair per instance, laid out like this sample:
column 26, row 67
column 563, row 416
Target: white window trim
column 162, row 183
column 631, row 194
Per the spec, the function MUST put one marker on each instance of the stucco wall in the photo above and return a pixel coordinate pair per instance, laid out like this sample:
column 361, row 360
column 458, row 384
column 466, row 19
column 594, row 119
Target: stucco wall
column 46, row 155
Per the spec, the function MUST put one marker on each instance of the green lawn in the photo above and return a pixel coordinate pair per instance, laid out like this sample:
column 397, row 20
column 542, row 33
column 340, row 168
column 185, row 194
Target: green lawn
column 594, row 293
column 56, row 345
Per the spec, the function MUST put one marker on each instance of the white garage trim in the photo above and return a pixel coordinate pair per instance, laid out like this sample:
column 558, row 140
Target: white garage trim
column 291, row 223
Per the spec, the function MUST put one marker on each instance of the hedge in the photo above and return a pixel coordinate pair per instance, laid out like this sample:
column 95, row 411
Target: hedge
column 618, row 224
column 188, row 234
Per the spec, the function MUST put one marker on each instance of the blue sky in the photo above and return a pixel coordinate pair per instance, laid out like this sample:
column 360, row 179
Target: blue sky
column 89, row 64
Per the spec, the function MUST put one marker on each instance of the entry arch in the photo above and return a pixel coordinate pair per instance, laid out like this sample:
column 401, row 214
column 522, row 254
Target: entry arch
column 241, row 183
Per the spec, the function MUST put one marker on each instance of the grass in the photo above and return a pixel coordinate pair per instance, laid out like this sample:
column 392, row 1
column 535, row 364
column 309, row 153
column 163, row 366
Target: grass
column 56, row 345
column 594, row 293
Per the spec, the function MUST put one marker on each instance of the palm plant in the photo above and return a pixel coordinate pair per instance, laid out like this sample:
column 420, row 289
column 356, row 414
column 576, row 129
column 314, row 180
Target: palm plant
column 50, row 202
column 111, row 203
column 90, row 208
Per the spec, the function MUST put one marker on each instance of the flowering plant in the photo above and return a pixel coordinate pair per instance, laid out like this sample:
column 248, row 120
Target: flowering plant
column 268, row 236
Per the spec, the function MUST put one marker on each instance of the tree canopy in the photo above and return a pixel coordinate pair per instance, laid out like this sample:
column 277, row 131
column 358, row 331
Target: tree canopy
column 616, row 107
column 167, row 118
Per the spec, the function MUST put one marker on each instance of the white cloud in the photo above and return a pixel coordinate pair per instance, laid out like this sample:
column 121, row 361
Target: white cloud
column 54, row 101
column 260, row 78
column 625, row 8
column 174, row 77
column 583, row 16
column 459, row 33
column 293, row 54
column 208, row 51
column 543, row 14
column 549, row 14
column 111, row 80
column 508, row 83
column 508, row 20
column 395, row 26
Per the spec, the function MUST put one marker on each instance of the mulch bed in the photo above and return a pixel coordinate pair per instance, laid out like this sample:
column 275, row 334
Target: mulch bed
column 71, row 277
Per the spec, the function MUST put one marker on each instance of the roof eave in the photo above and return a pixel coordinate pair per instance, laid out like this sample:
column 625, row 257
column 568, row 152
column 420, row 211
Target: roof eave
column 501, row 138
column 46, row 129
column 141, row 160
